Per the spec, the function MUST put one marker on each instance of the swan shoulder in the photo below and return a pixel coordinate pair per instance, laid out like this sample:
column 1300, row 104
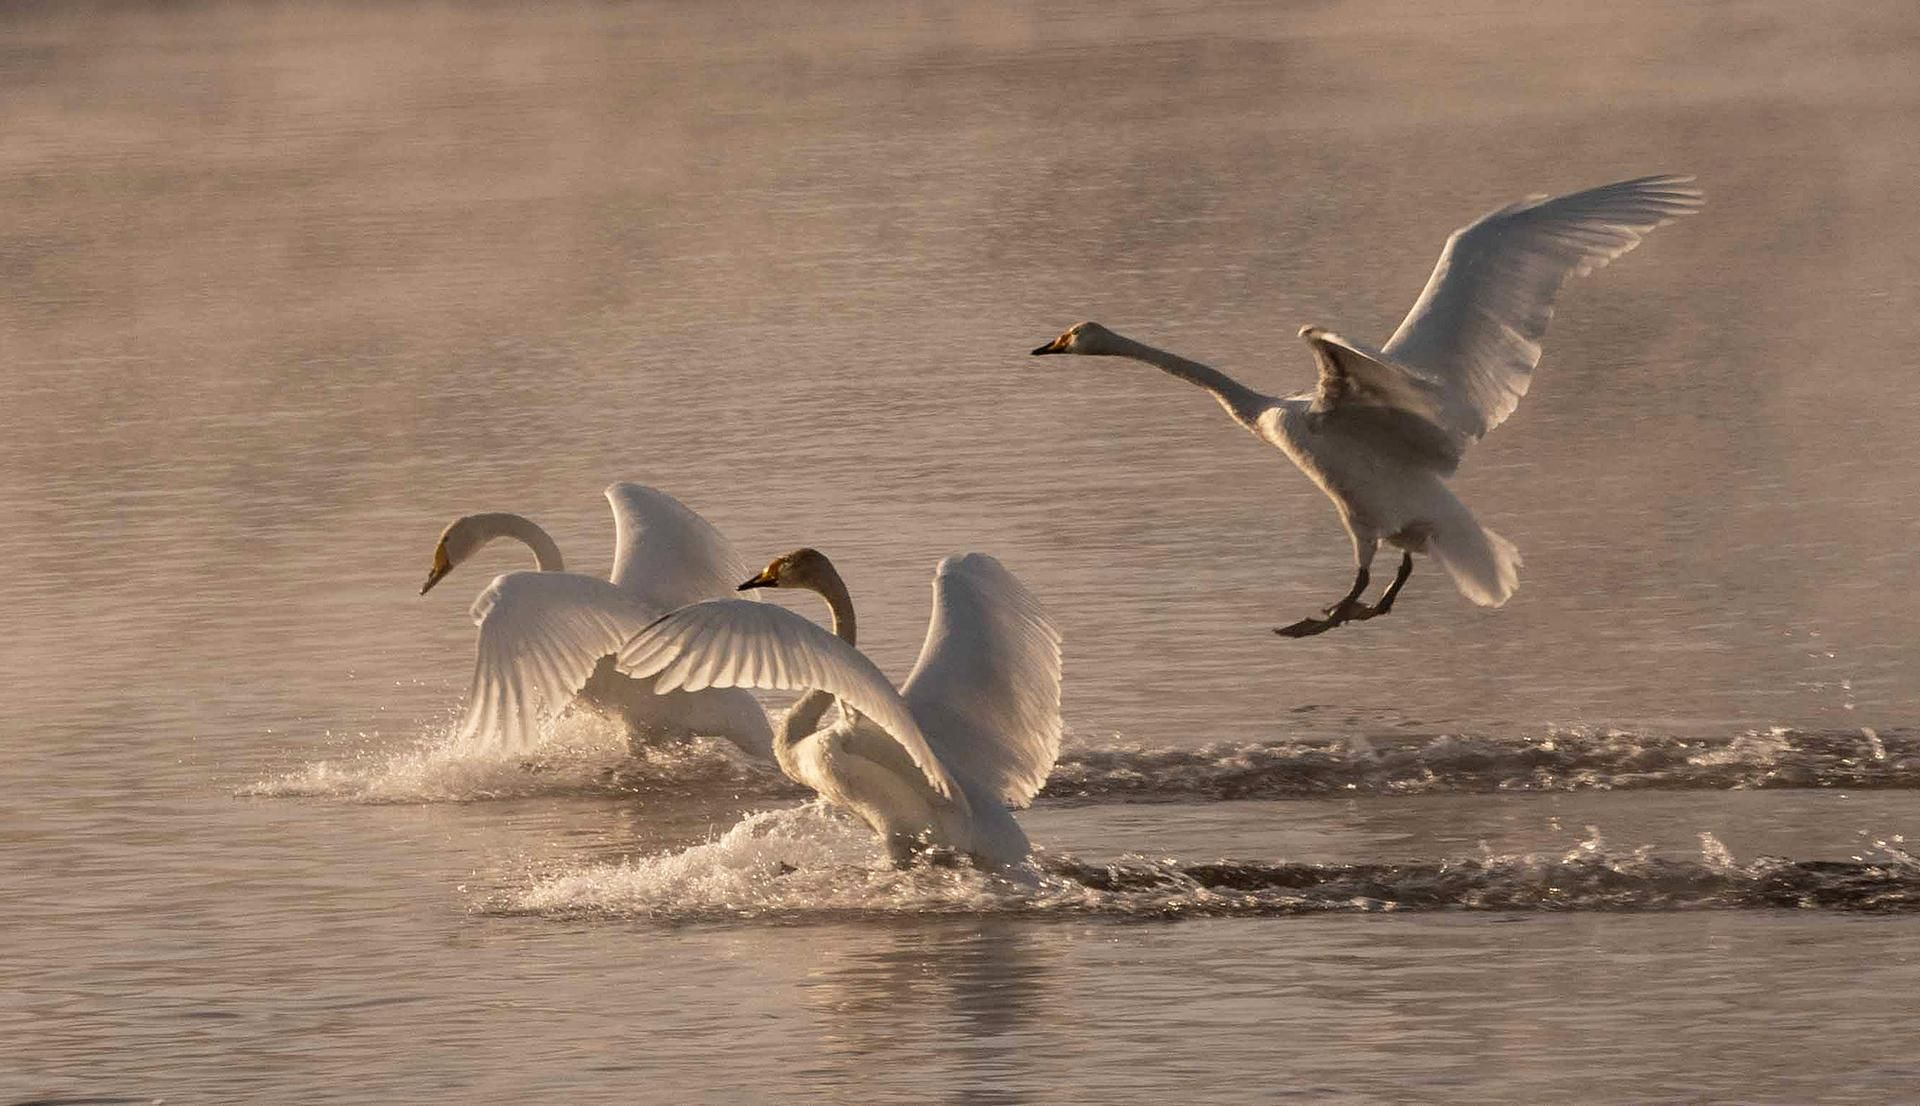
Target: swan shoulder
column 1365, row 401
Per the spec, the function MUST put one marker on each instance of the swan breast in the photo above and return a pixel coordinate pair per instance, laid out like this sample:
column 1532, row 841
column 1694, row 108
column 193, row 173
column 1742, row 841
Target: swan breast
column 862, row 769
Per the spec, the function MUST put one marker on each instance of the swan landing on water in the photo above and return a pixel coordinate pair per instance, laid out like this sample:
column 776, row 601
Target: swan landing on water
column 939, row 763
column 1385, row 427
column 547, row 638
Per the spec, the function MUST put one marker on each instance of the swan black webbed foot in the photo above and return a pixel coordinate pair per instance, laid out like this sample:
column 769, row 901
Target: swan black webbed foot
column 1336, row 615
column 1307, row 627
column 1349, row 608
column 1342, row 611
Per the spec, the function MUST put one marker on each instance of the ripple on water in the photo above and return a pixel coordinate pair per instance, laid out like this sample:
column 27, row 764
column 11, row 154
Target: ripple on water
column 1569, row 760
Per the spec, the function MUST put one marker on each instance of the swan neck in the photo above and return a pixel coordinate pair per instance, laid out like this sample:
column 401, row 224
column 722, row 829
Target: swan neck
column 504, row 524
column 839, row 603
column 1238, row 400
column 805, row 716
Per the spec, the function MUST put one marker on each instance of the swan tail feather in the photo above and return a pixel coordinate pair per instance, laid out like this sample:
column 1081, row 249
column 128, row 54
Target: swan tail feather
column 1483, row 565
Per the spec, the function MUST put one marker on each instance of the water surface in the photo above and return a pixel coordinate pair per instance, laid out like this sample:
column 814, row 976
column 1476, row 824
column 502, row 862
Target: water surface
column 287, row 287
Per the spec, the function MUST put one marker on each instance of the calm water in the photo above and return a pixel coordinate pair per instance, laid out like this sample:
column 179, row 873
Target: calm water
column 282, row 289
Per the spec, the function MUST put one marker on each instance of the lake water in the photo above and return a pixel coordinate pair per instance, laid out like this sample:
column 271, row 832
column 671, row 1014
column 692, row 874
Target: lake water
column 285, row 288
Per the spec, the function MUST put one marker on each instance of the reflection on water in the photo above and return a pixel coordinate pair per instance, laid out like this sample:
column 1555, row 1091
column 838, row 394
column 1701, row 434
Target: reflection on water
column 284, row 288
column 975, row 999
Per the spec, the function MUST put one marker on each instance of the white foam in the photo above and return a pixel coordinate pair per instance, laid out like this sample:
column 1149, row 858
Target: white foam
column 812, row 863
column 1715, row 854
column 807, row 859
column 583, row 755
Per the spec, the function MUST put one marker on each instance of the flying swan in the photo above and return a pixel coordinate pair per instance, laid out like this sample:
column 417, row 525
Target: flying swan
column 941, row 762
column 547, row 638
column 1384, row 427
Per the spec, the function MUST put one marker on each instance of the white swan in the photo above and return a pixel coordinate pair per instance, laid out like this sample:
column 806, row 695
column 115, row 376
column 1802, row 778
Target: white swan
column 548, row 637
column 939, row 763
column 1385, row 427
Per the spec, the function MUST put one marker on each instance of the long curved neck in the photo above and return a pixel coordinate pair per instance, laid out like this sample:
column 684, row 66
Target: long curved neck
column 1241, row 402
column 805, row 716
column 505, row 524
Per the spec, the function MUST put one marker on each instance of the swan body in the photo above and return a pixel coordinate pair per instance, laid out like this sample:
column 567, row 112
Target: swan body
column 940, row 762
column 1384, row 428
column 547, row 638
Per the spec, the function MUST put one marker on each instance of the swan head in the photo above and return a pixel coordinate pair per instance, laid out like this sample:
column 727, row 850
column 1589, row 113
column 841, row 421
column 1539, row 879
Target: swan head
column 458, row 541
column 1085, row 338
column 802, row 568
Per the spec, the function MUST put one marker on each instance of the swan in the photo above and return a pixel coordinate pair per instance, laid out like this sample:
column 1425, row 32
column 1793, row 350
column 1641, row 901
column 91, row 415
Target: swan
column 938, row 764
column 547, row 638
column 1384, row 427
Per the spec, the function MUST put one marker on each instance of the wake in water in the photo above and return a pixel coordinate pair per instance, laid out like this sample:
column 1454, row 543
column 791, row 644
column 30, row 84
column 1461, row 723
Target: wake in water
column 1574, row 760
column 585, row 755
column 588, row 756
column 811, row 863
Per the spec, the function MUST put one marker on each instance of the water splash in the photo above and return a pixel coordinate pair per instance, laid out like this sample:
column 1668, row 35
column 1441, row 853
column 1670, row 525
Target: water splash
column 804, row 860
column 810, row 863
column 589, row 756
column 1715, row 854
column 585, row 756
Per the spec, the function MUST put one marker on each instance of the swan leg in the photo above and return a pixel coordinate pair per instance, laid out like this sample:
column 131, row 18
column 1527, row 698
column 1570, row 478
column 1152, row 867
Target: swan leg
column 1399, row 581
column 1350, row 602
column 1386, row 599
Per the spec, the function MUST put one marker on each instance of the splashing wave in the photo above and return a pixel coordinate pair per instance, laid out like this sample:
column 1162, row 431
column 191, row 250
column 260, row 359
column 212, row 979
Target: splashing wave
column 1574, row 760
column 585, row 759
column 591, row 759
column 810, row 863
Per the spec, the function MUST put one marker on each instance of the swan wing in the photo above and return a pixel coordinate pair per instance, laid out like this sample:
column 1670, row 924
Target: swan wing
column 1474, row 333
column 665, row 553
column 541, row 634
column 740, row 643
column 986, row 688
column 1385, row 408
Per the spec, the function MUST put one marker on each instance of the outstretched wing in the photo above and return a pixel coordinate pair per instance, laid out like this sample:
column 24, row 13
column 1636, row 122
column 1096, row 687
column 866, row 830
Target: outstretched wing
column 738, row 643
column 1475, row 331
column 541, row 634
column 986, row 689
column 665, row 553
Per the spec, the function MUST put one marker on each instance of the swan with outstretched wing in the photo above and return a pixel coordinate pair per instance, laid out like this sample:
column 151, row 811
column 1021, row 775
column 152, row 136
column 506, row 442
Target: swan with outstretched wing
column 939, row 763
column 1383, row 428
column 547, row 638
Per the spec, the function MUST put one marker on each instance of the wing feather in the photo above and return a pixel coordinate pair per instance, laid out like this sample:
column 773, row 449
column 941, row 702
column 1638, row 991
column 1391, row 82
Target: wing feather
column 1364, row 395
column 541, row 634
column 767, row 646
column 986, row 688
column 665, row 553
column 1474, row 334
